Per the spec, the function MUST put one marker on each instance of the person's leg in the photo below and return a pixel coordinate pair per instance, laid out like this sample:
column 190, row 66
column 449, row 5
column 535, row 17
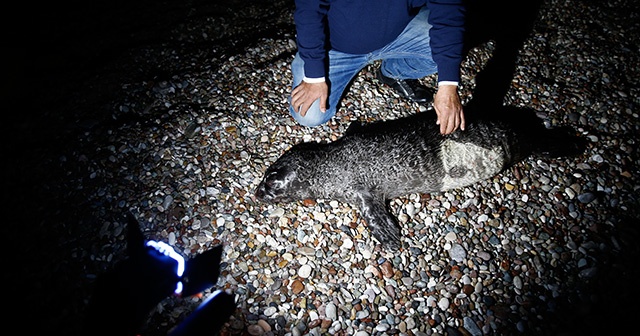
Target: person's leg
column 342, row 68
column 409, row 55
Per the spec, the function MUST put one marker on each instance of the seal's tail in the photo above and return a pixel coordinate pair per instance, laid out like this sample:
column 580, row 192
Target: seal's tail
column 560, row 142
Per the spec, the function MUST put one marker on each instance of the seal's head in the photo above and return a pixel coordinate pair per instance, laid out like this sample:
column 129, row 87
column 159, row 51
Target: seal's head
column 277, row 184
column 292, row 177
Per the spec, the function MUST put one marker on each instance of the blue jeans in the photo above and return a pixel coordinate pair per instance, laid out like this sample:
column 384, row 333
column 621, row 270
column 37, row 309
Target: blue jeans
column 407, row 57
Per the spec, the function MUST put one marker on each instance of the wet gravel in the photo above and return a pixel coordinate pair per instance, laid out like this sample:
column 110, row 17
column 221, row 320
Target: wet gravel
column 174, row 110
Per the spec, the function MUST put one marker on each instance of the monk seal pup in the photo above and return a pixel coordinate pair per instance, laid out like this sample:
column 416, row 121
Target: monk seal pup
column 373, row 163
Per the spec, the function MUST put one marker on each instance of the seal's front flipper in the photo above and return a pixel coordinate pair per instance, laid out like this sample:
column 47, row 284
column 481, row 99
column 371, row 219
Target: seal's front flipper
column 383, row 226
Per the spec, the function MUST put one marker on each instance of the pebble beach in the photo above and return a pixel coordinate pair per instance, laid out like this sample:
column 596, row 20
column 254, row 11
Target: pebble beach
column 175, row 112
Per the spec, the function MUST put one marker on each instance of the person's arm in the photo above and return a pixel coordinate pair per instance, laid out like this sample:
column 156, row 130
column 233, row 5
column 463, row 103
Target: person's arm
column 309, row 18
column 447, row 18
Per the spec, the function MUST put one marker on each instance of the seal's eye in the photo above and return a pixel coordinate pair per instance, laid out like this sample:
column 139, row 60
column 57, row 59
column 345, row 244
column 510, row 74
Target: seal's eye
column 272, row 179
column 279, row 179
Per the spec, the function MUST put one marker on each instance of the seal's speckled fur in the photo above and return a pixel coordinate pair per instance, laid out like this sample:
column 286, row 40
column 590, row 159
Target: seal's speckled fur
column 374, row 163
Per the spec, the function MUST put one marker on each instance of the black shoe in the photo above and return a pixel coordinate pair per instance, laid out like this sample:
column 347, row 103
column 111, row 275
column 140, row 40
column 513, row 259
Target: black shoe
column 408, row 88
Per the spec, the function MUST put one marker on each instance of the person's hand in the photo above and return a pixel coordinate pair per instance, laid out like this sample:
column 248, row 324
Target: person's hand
column 449, row 109
column 306, row 93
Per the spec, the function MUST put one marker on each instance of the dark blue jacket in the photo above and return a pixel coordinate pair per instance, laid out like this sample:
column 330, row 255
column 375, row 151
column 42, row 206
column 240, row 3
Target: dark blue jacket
column 363, row 26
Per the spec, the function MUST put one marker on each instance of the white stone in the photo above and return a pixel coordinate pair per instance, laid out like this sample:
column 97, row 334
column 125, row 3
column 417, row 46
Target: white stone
column 331, row 311
column 304, row 271
column 517, row 282
column 277, row 212
column 443, row 303
column 270, row 311
column 451, row 236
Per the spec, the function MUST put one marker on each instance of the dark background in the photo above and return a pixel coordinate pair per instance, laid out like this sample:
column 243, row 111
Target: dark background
column 62, row 66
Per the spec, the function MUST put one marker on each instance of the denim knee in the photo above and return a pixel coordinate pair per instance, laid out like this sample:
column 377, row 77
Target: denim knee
column 314, row 116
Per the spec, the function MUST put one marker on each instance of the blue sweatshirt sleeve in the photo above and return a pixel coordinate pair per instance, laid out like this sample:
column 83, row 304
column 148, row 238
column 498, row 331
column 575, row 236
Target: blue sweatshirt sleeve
column 310, row 20
column 447, row 18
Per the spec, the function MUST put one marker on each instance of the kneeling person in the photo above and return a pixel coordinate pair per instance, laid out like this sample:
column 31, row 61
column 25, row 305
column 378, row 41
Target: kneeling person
column 413, row 39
